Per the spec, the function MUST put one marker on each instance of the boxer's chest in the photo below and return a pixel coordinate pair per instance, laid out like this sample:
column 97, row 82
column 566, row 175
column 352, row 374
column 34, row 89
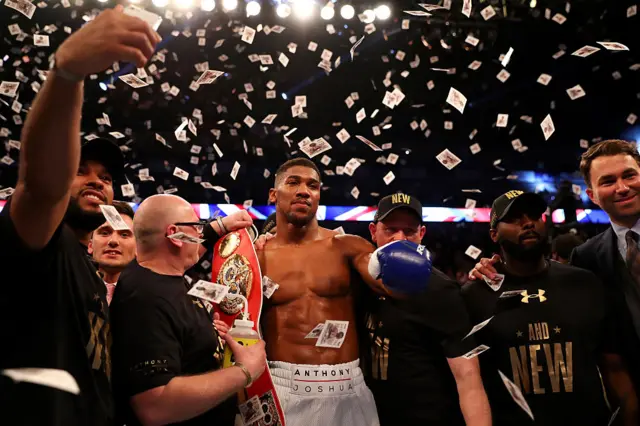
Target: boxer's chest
column 318, row 268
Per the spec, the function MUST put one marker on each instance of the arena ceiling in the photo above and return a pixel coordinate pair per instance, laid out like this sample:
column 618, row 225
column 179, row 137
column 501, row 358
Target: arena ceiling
column 423, row 59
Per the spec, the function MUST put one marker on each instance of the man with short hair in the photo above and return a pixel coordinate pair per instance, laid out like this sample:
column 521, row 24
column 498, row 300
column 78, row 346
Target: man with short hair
column 113, row 250
column 417, row 344
column 563, row 245
column 166, row 351
column 53, row 307
column 611, row 170
column 549, row 329
column 317, row 271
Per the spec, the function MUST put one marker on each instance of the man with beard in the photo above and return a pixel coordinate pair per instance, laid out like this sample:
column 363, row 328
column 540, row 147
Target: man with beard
column 318, row 379
column 53, row 308
column 417, row 345
column 549, row 329
column 611, row 170
column 113, row 250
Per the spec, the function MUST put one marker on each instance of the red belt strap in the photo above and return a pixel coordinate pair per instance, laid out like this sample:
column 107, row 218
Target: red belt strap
column 235, row 264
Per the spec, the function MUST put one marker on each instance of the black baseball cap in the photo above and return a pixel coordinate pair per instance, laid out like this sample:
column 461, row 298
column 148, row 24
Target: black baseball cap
column 397, row 201
column 269, row 223
column 107, row 153
column 501, row 206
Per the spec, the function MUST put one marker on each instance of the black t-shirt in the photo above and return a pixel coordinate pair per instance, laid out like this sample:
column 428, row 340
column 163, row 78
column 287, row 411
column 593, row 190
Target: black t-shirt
column 547, row 342
column 53, row 314
column 160, row 332
column 410, row 342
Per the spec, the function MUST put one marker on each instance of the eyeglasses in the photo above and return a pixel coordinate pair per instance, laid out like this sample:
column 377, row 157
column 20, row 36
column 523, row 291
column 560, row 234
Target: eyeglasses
column 198, row 226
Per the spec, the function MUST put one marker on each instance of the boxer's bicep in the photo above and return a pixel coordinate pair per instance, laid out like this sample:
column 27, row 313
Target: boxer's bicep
column 359, row 251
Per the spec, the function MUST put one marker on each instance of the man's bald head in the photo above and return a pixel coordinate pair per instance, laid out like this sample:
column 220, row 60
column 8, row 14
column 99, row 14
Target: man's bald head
column 155, row 214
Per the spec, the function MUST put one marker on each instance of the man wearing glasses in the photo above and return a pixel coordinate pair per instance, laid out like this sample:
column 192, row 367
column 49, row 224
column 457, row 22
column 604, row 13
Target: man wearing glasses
column 166, row 351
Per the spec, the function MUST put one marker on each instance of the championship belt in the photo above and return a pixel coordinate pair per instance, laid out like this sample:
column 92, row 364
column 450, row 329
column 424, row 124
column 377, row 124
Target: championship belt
column 235, row 264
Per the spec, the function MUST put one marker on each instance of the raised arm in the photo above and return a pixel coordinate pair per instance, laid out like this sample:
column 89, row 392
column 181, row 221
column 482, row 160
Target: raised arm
column 50, row 153
column 396, row 269
column 359, row 251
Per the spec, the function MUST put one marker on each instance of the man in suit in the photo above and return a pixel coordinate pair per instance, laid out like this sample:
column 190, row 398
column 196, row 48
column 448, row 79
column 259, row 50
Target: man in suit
column 611, row 170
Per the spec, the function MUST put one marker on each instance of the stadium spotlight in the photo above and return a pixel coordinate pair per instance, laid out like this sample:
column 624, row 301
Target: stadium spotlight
column 184, row 4
column 229, row 4
column 327, row 12
column 283, row 10
column 103, row 1
column 383, row 12
column 347, row 11
column 160, row 3
column 208, row 5
column 369, row 16
column 253, row 8
column 303, row 8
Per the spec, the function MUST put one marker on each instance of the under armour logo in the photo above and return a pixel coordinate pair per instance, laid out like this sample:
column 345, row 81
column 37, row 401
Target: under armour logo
column 526, row 296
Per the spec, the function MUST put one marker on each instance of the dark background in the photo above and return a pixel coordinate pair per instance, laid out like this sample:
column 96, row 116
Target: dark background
column 601, row 114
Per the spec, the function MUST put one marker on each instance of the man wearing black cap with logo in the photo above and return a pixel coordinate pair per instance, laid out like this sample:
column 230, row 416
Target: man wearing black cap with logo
column 418, row 372
column 53, row 308
column 548, row 330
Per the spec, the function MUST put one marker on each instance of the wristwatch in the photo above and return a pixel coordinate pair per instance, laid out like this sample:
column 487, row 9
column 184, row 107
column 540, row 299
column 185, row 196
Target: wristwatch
column 62, row 73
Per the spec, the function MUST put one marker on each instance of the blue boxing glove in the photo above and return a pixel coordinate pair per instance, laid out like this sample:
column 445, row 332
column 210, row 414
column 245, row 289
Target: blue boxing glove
column 403, row 266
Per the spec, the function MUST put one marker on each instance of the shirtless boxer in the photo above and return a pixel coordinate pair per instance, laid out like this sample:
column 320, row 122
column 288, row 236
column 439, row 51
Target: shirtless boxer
column 313, row 268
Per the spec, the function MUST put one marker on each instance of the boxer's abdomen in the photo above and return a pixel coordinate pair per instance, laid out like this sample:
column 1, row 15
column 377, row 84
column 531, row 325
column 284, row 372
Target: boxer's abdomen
column 314, row 287
column 286, row 326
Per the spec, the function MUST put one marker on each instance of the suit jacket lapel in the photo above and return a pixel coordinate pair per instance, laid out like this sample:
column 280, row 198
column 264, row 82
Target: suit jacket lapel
column 610, row 250
column 615, row 262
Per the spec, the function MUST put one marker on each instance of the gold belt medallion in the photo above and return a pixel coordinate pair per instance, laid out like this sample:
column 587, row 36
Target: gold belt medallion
column 236, row 274
column 229, row 244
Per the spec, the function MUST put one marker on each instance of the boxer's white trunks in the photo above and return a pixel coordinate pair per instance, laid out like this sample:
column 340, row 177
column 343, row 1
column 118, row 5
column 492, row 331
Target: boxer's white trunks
column 319, row 395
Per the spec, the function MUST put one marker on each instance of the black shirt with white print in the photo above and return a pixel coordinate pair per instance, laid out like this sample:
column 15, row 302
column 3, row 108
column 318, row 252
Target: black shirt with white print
column 53, row 314
column 547, row 338
column 160, row 332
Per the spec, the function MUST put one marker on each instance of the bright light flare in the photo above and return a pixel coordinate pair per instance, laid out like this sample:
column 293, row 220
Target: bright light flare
column 283, row 10
column 253, row 8
column 327, row 12
column 383, row 12
column 160, row 3
column 369, row 16
column 347, row 11
column 184, row 4
column 303, row 8
column 208, row 5
column 229, row 4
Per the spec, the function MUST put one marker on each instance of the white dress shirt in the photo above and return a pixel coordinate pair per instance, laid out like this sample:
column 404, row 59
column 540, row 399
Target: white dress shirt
column 621, row 232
